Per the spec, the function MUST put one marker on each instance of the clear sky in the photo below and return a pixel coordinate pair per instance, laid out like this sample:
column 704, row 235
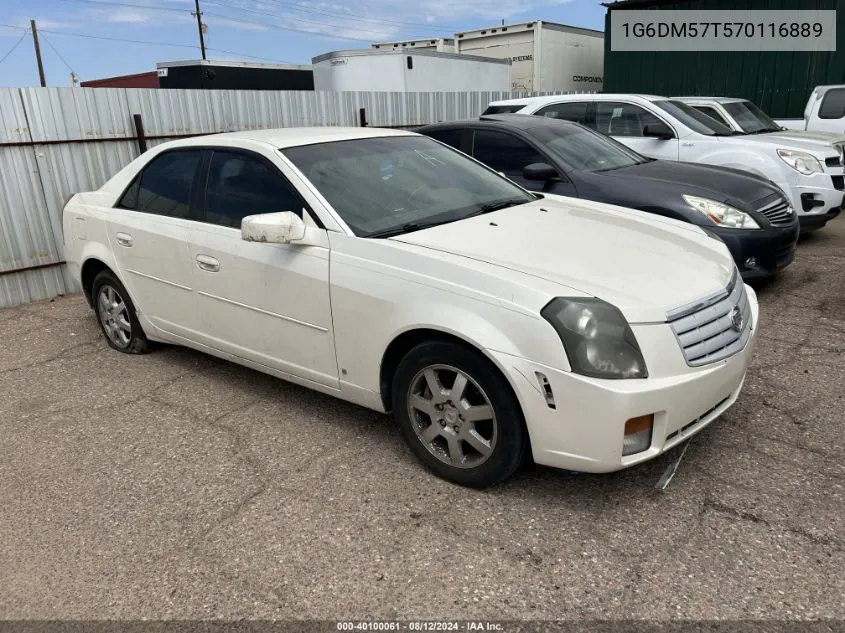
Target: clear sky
column 290, row 31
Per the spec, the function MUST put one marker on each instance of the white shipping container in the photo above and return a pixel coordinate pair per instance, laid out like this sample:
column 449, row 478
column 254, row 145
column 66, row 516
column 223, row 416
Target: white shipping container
column 388, row 70
column 545, row 56
column 440, row 44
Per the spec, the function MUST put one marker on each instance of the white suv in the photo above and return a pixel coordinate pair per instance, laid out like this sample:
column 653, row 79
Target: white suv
column 811, row 176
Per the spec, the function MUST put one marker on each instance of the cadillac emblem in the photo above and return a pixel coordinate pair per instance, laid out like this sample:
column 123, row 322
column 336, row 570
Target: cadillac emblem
column 736, row 320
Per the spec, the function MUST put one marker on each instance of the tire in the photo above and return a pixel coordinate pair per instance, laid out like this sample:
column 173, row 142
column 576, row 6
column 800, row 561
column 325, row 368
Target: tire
column 472, row 432
column 116, row 315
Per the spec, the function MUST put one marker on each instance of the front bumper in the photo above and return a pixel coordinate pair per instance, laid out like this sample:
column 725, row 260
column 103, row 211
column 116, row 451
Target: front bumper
column 773, row 249
column 817, row 199
column 584, row 431
column 816, row 222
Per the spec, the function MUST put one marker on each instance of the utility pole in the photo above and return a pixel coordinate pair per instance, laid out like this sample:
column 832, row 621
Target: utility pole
column 38, row 52
column 199, row 26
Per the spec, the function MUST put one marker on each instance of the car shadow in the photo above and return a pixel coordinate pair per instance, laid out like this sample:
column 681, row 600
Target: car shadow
column 364, row 425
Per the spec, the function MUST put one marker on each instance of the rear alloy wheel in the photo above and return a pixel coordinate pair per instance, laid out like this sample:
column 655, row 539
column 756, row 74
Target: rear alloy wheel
column 116, row 315
column 458, row 414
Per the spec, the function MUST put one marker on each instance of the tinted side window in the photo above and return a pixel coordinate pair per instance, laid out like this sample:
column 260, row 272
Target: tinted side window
column 622, row 119
column 503, row 109
column 833, row 104
column 240, row 185
column 712, row 113
column 576, row 112
column 165, row 185
column 450, row 137
column 505, row 153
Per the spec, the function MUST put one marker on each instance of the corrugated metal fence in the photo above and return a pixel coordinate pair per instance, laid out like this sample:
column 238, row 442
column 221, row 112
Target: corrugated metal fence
column 55, row 142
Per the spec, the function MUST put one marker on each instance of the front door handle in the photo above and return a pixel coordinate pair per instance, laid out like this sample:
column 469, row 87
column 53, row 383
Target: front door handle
column 208, row 263
column 124, row 239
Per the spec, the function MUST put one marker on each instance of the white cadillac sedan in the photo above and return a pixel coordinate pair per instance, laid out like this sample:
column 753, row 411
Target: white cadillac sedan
column 387, row 269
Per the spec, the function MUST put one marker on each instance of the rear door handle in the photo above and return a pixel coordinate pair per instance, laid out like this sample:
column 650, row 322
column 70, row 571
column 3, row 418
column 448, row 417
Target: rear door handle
column 208, row 263
column 124, row 239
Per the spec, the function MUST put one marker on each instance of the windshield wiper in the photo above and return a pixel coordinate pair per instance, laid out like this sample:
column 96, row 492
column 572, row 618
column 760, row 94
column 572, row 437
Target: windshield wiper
column 410, row 227
column 495, row 206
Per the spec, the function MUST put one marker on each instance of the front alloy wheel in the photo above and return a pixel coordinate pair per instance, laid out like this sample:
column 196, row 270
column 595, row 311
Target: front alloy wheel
column 455, row 423
column 458, row 414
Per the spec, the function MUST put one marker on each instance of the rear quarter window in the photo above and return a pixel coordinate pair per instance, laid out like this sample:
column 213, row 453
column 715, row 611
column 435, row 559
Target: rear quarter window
column 503, row 109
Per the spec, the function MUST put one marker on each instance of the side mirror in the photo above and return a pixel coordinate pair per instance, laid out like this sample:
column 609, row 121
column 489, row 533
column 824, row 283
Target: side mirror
column 659, row 130
column 273, row 228
column 541, row 172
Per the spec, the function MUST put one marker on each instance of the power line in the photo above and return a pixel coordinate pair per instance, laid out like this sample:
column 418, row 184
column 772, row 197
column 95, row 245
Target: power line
column 59, row 55
column 288, row 28
column 117, row 39
column 363, row 18
column 277, row 15
column 152, row 43
column 133, row 5
column 266, row 59
column 351, row 16
column 15, row 45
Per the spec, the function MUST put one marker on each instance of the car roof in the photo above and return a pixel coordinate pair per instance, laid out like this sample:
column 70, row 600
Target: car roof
column 293, row 136
column 549, row 99
column 716, row 99
column 515, row 121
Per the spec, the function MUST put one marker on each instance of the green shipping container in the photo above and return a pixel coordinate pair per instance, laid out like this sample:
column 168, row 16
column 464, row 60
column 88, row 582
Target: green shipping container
column 779, row 82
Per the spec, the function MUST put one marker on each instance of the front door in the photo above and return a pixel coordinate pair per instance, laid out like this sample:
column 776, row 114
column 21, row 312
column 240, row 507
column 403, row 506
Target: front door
column 268, row 303
column 509, row 155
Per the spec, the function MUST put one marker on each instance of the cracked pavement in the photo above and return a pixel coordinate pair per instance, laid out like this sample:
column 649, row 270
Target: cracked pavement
column 176, row 485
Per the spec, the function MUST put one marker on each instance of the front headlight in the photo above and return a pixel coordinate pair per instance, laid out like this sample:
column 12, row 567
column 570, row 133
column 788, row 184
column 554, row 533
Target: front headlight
column 597, row 338
column 801, row 162
column 721, row 213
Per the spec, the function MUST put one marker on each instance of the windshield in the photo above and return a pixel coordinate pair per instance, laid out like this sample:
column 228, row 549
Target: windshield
column 693, row 119
column 585, row 150
column 750, row 118
column 398, row 184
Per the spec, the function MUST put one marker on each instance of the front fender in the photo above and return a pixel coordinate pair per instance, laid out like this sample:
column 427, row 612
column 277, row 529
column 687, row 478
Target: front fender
column 370, row 311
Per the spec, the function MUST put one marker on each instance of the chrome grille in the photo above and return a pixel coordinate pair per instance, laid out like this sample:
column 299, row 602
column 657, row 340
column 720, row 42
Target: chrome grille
column 778, row 212
column 706, row 330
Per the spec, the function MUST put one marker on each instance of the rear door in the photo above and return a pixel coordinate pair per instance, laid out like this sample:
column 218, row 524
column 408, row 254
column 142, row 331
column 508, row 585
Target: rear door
column 626, row 121
column 459, row 138
column 148, row 232
column 268, row 303
column 509, row 154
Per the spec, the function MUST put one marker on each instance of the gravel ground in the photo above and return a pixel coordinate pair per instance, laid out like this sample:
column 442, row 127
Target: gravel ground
column 175, row 485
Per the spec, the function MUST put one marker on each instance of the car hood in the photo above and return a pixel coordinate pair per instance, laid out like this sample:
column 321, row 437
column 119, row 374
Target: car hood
column 819, row 149
column 828, row 138
column 643, row 264
column 722, row 184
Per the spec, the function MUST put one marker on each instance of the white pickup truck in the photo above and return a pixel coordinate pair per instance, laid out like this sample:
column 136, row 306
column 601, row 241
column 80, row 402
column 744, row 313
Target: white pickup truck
column 824, row 112
column 812, row 176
